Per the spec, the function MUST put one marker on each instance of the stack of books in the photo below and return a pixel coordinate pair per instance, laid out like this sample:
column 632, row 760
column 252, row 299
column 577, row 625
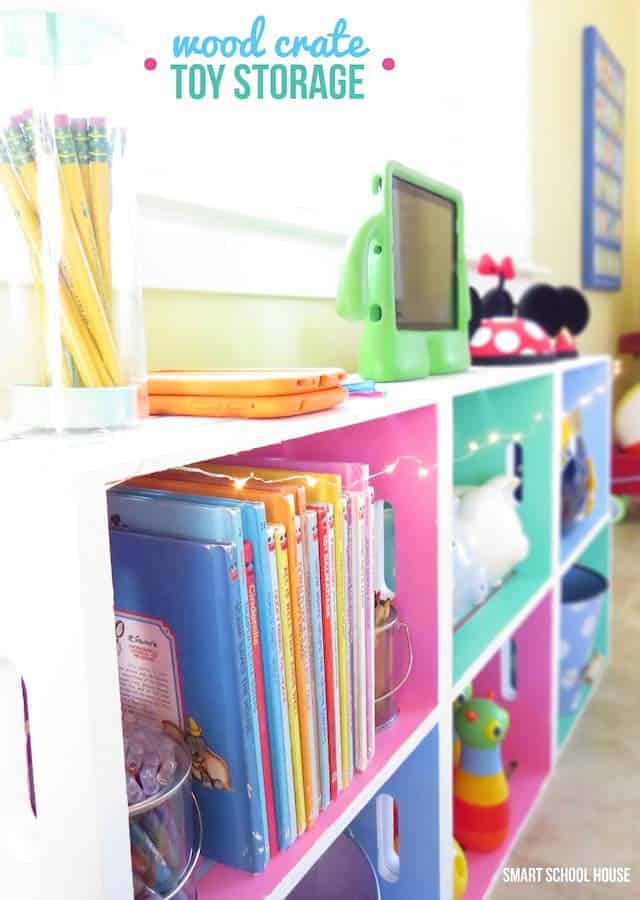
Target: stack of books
column 245, row 624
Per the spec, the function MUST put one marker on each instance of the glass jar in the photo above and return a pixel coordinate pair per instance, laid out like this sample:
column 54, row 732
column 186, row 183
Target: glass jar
column 165, row 826
column 75, row 355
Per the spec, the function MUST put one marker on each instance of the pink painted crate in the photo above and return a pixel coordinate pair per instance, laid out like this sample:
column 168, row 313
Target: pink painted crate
column 414, row 502
column 528, row 741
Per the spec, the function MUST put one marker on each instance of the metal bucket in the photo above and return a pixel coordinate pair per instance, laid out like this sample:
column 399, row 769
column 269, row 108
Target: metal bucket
column 343, row 872
column 166, row 838
column 387, row 635
column 583, row 592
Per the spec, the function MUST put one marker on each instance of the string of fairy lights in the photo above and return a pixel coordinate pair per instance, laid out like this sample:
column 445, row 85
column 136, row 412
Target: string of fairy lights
column 423, row 468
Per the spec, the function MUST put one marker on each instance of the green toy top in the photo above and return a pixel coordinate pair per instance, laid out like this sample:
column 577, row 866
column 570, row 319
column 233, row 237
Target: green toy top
column 481, row 723
column 405, row 275
column 464, row 697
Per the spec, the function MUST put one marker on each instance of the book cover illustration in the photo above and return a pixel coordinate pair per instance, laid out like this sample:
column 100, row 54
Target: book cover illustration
column 211, row 677
column 205, row 518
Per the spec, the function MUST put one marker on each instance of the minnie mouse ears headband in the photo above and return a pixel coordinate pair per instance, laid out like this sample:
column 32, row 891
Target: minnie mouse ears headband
column 555, row 308
column 539, row 330
column 488, row 266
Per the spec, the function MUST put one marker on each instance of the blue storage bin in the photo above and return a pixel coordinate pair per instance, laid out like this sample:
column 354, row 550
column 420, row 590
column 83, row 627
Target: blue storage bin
column 583, row 593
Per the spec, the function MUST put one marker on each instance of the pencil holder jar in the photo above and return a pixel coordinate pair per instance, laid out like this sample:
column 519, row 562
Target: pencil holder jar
column 72, row 316
column 165, row 826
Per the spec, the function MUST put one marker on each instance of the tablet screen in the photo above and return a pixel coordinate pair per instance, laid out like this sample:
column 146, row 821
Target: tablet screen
column 424, row 258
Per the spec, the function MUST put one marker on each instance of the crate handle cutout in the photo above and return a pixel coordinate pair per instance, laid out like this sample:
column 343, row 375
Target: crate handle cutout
column 17, row 819
column 384, row 562
column 515, row 466
column 388, row 835
column 509, row 670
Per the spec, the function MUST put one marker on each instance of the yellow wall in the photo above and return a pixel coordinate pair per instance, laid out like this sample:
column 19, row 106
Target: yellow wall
column 217, row 331
column 557, row 149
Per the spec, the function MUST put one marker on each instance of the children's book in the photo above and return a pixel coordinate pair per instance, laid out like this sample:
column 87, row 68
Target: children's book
column 284, row 591
column 315, row 606
column 189, row 516
column 359, row 638
column 370, row 623
column 252, row 596
column 183, row 656
column 324, row 514
column 355, row 477
column 280, row 503
column 321, row 487
column 282, row 684
column 348, row 545
column 307, row 652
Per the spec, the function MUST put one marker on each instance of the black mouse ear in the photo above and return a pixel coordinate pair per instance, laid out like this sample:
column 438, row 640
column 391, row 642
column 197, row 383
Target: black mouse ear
column 540, row 303
column 498, row 302
column 476, row 311
column 575, row 309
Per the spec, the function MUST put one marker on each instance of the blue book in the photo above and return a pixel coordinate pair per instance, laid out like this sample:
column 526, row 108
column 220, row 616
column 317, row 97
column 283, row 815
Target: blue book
column 315, row 606
column 155, row 511
column 183, row 654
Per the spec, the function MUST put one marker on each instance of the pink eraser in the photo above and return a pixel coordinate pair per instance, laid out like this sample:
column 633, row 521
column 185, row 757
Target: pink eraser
column 98, row 121
column 61, row 120
column 79, row 124
column 27, row 113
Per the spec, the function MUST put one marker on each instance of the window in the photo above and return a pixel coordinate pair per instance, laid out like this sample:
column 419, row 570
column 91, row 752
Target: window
column 297, row 177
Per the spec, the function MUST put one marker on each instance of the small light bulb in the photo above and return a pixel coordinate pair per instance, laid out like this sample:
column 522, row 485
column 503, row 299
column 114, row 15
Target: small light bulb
column 390, row 469
column 311, row 481
column 585, row 400
column 474, row 446
column 517, row 437
column 493, row 437
column 239, row 483
column 539, row 416
column 422, row 472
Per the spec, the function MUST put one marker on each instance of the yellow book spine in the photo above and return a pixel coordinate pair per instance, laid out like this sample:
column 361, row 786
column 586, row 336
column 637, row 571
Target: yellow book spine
column 284, row 588
column 318, row 490
column 343, row 687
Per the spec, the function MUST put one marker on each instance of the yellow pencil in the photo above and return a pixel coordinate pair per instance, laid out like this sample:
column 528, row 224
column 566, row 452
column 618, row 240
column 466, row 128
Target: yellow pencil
column 81, row 143
column 74, row 332
column 100, row 195
column 72, row 182
column 23, row 159
column 75, row 266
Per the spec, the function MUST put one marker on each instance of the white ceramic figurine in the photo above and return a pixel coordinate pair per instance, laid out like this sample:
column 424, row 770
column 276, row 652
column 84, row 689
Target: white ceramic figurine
column 488, row 519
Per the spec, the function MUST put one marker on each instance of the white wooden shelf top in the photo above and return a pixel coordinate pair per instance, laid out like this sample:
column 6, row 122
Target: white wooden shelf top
column 162, row 442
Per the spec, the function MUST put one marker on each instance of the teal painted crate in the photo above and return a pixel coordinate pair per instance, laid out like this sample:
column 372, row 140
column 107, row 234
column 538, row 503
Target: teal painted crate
column 523, row 410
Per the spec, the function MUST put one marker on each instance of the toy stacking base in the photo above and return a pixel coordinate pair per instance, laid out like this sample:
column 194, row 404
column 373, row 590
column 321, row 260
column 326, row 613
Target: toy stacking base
column 74, row 409
column 480, row 828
